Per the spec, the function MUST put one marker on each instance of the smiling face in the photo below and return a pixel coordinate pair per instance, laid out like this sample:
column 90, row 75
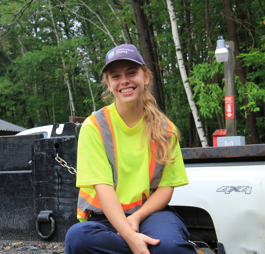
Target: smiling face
column 126, row 80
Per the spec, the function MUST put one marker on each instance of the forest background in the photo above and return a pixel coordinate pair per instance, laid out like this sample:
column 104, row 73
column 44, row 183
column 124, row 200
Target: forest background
column 52, row 53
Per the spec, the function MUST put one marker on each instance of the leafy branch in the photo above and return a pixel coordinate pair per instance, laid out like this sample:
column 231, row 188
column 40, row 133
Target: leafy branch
column 17, row 17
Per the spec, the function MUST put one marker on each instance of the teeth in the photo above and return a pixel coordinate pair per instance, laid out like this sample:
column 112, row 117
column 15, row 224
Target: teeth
column 127, row 90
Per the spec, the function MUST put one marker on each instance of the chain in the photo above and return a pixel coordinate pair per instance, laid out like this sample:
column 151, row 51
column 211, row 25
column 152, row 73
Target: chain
column 63, row 163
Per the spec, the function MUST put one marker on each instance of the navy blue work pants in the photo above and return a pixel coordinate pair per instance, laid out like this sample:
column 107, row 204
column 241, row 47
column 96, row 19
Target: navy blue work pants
column 98, row 236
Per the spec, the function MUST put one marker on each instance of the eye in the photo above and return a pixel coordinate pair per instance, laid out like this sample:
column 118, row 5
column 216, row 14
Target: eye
column 132, row 72
column 114, row 76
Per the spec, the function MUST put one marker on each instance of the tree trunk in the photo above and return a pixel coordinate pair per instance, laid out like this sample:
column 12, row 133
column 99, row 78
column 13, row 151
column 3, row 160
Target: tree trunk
column 104, row 29
column 192, row 134
column 194, row 140
column 118, row 17
column 125, row 27
column 220, row 119
column 184, row 75
column 186, row 4
column 127, row 31
column 245, row 29
column 251, row 118
column 88, row 80
column 47, row 114
column 261, row 7
column 53, row 111
column 36, row 96
column 23, row 53
column 66, row 78
column 148, row 54
column 117, row 5
column 154, row 46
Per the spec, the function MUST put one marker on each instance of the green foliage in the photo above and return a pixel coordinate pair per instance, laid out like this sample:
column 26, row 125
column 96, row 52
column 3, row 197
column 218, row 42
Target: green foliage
column 254, row 93
column 254, row 88
column 34, row 66
column 208, row 96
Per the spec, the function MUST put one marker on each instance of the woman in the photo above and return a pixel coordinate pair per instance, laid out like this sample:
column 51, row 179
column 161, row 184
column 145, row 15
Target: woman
column 128, row 163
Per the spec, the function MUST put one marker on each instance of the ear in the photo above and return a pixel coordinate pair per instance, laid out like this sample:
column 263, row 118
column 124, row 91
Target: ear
column 147, row 75
column 108, row 84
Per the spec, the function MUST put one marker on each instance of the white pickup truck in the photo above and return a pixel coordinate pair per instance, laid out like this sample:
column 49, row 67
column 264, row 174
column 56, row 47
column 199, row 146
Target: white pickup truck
column 225, row 199
column 223, row 206
column 45, row 130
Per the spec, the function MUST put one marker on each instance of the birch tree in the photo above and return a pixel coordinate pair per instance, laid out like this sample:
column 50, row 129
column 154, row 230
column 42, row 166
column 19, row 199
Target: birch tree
column 183, row 73
column 88, row 78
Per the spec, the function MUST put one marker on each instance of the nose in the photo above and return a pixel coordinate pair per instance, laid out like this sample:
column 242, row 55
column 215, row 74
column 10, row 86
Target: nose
column 124, row 80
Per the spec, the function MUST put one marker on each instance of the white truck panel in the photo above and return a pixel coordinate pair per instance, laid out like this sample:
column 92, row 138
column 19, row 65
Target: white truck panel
column 234, row 196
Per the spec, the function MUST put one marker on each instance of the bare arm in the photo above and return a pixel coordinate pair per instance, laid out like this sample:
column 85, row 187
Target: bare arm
column 156, row 202
column 113, row 210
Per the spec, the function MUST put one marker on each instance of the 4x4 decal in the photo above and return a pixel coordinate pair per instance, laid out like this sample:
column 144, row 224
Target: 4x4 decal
column 229, row 189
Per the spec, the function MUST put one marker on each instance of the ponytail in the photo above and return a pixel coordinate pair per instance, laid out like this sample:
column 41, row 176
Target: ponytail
column 155, row 131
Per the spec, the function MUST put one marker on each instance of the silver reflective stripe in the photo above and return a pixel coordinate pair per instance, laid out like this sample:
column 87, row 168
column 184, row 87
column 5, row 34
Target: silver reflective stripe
column 83, row 205
column 164, row 124
column 136, row 208
column 108, row 141
column 158, row 169
column 157, row 175
column 132, row 210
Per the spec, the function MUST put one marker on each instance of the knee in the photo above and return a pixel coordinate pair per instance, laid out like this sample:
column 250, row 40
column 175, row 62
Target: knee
column 71, row 239
column 78, row 237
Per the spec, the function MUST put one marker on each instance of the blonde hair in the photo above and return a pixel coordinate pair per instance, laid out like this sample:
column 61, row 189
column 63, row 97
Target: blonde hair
column 154, row 120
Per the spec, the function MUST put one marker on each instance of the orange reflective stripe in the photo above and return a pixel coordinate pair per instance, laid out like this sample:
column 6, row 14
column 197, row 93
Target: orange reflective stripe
column 96, row 202
column 152, row 162
column 155, row 169
column 84, row 195
column 106, row 111
column 95, row 122
column 169, row 125
column 81, row 213
column 132, row 205
column 93, row 201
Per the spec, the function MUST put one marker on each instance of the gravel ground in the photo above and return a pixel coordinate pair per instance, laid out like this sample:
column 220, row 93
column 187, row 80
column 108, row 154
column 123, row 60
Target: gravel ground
column 30, row 247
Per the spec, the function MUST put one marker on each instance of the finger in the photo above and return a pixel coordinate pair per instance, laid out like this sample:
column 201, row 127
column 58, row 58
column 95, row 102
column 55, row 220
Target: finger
column 152, row 241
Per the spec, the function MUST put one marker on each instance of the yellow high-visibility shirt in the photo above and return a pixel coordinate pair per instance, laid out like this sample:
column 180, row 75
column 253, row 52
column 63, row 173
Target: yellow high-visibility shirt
column 133, row 160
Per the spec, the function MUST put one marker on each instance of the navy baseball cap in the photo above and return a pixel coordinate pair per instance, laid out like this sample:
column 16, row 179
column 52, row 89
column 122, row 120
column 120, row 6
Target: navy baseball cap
column 123, row 52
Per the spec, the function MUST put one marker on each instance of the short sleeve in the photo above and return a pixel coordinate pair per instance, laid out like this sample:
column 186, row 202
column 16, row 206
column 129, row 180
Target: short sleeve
column 92, row 163
column 174, row 175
